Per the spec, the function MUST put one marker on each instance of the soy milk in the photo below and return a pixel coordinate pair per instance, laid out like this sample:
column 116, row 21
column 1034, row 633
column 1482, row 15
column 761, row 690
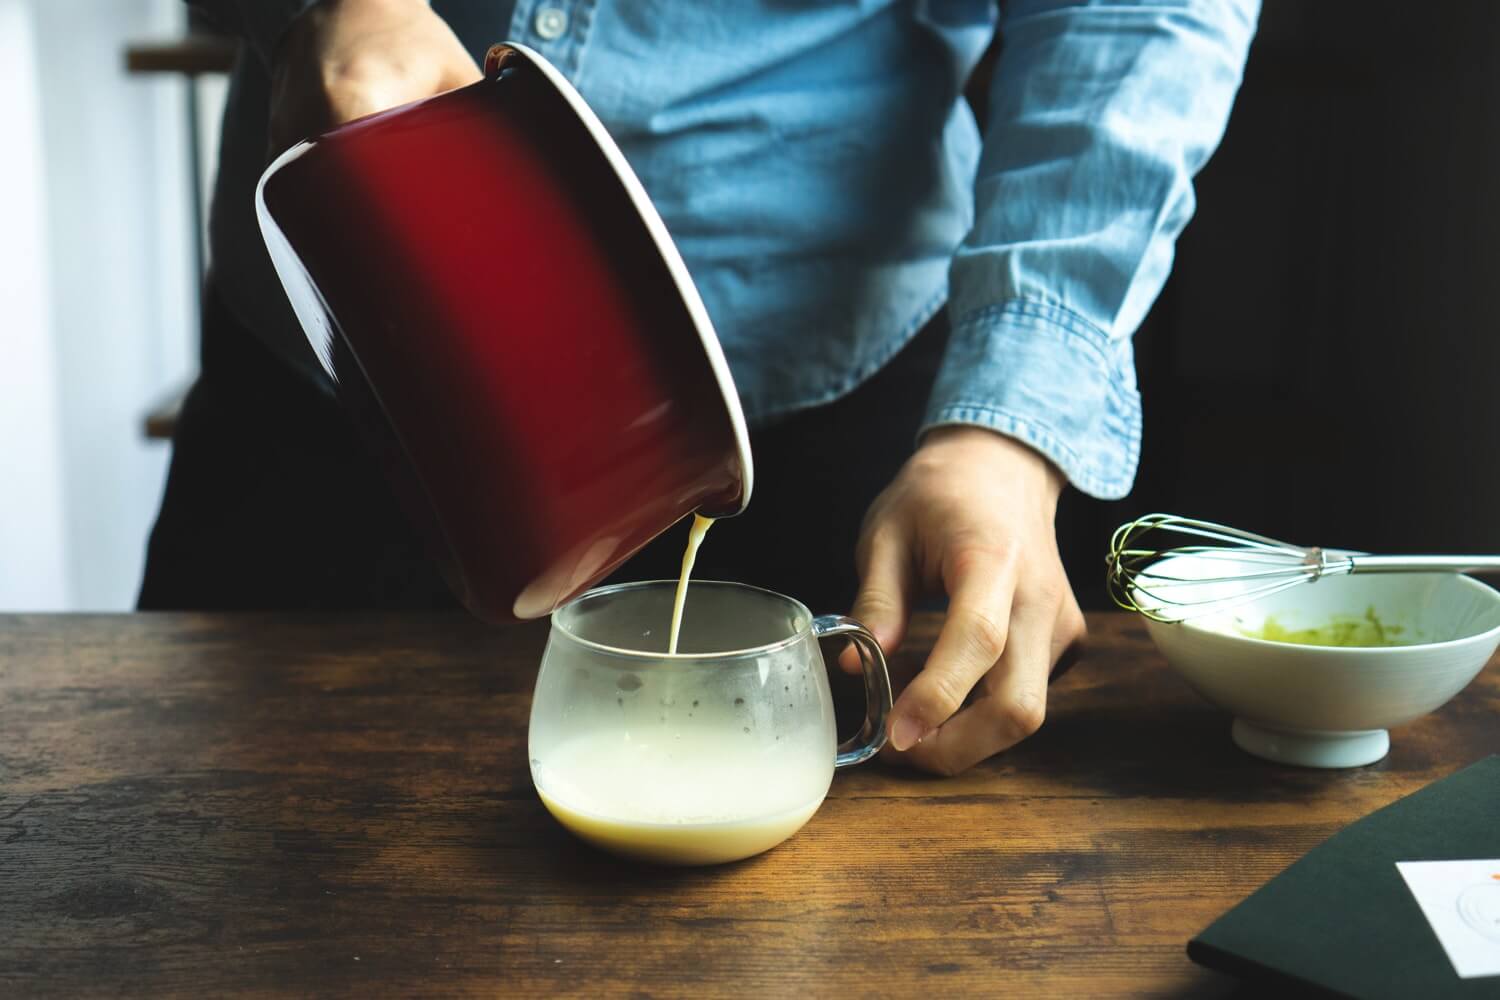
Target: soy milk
column 700, row 528
column 691, row 796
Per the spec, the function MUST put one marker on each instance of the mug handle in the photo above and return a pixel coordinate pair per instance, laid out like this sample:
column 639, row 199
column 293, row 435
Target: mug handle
column 872, row 734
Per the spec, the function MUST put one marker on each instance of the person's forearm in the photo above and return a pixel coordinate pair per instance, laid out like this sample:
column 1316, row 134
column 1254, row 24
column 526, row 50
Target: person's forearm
column 1100, row 114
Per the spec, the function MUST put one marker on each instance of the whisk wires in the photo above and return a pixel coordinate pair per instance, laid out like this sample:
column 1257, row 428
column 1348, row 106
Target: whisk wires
column 1255, row 566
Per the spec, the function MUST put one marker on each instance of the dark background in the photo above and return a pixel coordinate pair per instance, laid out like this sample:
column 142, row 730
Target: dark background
column 1320, row 367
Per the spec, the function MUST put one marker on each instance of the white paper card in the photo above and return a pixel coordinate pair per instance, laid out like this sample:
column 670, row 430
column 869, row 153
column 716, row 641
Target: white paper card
column 1461, row 901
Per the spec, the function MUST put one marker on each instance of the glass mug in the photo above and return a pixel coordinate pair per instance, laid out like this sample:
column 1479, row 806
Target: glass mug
column 718, row 752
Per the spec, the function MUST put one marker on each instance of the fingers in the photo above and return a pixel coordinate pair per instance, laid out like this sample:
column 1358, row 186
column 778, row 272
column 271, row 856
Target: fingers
column 974, row 634
column 346, row 103
column 459, row 73
column 1011, row 702
column 365, row 84
column 337, row 63
column 973, row 512
column 1068, row 637
column 886, row 591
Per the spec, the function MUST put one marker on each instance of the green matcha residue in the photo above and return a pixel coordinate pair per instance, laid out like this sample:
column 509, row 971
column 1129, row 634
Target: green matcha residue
column 1343, row 630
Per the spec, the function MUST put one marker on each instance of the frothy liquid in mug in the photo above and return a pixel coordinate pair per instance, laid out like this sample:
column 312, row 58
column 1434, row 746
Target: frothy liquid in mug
column 691, row 796
column 700, row 528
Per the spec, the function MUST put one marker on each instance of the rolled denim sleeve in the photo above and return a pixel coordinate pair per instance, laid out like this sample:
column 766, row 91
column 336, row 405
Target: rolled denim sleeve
column 1100, row 115
column 259, row 22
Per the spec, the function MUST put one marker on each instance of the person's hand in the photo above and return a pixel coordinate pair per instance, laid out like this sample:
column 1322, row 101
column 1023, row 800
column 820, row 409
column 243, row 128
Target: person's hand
column 343, row 59
column 971, row 513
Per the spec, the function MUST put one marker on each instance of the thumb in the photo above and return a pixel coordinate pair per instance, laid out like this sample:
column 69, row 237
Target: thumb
column 885, row 595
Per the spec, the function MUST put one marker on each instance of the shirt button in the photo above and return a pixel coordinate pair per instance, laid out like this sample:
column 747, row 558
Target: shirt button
column 551, row 22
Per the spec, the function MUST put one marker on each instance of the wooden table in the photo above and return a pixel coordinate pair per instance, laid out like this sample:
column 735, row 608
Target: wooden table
column 199, row 805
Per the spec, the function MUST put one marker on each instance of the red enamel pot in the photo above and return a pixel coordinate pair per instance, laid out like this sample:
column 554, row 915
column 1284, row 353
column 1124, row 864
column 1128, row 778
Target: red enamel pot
column 507, row 319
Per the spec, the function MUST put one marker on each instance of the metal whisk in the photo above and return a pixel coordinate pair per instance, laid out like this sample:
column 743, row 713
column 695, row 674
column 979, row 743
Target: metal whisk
column 1142, row 576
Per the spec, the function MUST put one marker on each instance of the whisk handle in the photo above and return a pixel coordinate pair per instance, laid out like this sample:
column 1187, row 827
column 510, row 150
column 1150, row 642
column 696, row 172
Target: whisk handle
column 1424, row 564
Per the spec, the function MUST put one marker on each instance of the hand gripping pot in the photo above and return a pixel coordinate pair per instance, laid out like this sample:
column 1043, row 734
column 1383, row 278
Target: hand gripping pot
column 513, row 331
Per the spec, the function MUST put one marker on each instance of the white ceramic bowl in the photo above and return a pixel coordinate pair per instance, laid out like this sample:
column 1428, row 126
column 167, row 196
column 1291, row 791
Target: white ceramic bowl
column 1330, row 706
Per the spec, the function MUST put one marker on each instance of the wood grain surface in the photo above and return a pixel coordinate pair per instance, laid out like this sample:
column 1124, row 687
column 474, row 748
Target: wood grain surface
column 201, row 805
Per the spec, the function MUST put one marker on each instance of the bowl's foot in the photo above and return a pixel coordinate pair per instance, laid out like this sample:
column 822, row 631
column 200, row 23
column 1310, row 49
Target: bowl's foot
column 1310, row 748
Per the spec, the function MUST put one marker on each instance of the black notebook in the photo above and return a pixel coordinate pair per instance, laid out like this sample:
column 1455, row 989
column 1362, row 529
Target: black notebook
column 1342, row 921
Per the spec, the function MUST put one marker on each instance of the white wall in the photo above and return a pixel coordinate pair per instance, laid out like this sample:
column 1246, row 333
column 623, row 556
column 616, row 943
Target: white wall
column 97, row 265
column 33, row 555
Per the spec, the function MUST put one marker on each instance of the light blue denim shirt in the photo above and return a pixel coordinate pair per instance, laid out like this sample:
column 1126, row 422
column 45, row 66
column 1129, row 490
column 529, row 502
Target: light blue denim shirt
column 829, row 190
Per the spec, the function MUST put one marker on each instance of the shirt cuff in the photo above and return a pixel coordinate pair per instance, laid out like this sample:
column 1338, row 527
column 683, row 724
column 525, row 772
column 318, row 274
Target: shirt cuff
column 1044, row 375
column 265, row 21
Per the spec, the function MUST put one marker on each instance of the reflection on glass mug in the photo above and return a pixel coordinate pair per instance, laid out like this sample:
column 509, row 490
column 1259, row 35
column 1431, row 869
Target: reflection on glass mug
column 713, row 754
